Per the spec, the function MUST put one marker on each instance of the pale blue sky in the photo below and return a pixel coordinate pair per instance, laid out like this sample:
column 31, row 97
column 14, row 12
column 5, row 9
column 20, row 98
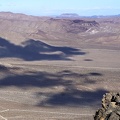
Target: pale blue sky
column 56, row 7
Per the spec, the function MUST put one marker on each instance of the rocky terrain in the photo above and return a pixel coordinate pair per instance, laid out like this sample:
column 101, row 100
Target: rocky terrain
column 110, row 107
column 20, row 27
column 24, row 27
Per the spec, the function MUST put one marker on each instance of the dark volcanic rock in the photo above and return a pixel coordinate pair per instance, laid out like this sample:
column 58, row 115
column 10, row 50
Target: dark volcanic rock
column 110, row 107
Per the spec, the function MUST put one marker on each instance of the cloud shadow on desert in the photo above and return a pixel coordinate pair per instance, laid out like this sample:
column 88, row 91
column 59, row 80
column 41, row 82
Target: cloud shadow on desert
column 73, row 96
column 36, row 50
column 70, row 96
column 44, row 79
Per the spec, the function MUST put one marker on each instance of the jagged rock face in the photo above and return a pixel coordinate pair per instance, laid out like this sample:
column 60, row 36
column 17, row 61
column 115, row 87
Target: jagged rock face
column 110, row 107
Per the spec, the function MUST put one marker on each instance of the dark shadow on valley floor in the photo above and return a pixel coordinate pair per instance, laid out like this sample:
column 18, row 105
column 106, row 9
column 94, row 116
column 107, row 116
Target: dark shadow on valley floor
column 36, row 50
column 45, row 79
column 74, row 98
column 74, row 93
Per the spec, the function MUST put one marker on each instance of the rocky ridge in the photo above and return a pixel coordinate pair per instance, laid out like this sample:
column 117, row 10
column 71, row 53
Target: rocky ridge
column 19, row 27
column 110, row 107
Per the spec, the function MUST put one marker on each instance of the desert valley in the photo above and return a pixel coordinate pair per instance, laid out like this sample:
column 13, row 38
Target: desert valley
column 57, row 68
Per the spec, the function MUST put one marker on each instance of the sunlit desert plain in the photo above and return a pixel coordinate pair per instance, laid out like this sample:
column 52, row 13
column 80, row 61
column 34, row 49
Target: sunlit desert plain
column 56, row 68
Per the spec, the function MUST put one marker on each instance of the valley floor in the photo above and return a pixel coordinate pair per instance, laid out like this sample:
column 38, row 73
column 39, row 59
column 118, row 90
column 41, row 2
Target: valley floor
column 58, row 89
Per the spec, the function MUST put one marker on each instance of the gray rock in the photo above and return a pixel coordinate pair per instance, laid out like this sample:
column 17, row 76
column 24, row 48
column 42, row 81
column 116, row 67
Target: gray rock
column 113, row 116
column 110, row 107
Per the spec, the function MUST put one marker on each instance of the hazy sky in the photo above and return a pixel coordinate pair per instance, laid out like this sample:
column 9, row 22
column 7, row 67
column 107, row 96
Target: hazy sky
column 56, row 7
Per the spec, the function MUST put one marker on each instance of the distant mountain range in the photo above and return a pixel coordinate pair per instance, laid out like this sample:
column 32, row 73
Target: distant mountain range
column 66, row 27
column 69, row 15
column 74, row 15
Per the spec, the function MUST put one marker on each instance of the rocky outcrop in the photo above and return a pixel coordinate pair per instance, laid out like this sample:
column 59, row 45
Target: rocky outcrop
column 110, row 107
column 76, row 26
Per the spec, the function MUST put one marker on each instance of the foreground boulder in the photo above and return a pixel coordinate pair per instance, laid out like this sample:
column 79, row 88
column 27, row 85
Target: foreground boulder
column 110, row 107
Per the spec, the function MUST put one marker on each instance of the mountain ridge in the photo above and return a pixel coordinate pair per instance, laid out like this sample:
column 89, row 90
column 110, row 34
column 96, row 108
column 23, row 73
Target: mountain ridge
column 20, row 27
